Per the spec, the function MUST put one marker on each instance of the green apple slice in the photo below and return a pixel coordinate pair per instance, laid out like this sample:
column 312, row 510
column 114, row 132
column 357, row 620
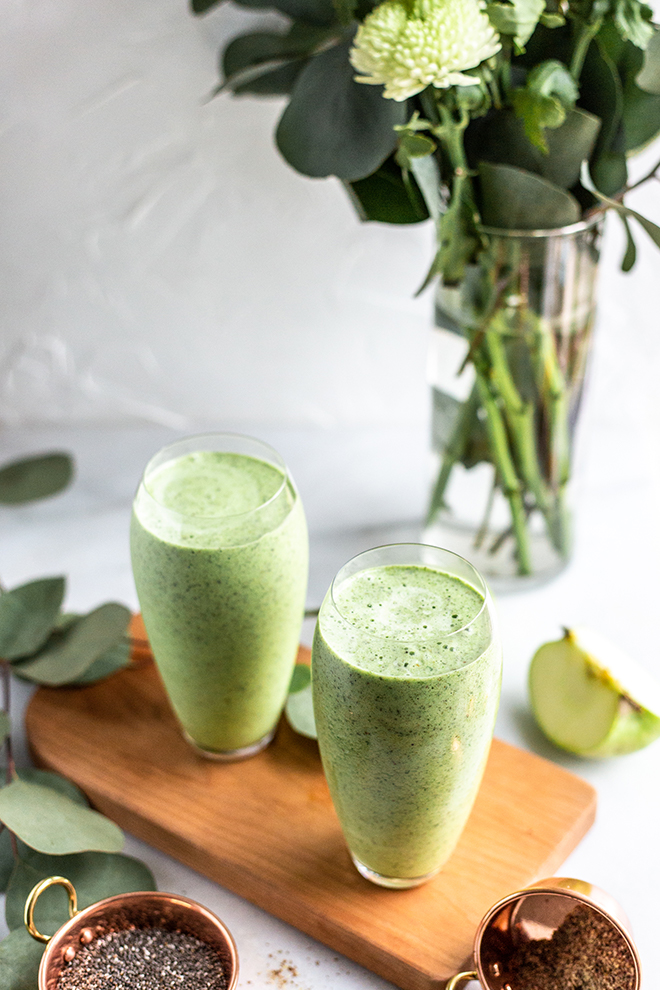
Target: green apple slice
column 590, row 698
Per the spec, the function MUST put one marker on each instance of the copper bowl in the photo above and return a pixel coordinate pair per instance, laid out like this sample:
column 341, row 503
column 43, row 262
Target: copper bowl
column 535, row 913
column 144, row 909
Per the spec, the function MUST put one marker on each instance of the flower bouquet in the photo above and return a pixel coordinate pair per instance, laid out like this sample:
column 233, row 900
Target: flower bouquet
column 509, row 124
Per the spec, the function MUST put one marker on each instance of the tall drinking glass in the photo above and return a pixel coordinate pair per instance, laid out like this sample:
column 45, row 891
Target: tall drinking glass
column 220, row 554
column 406, row 669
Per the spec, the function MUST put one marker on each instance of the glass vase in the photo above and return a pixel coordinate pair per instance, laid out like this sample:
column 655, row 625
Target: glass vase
column 507, row 366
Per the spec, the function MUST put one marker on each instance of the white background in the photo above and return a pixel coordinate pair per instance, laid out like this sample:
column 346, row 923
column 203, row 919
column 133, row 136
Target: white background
column 162, row 270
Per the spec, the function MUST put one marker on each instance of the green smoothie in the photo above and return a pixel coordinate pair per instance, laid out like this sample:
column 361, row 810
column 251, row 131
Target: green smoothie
column 219, row 554
column 406, row 675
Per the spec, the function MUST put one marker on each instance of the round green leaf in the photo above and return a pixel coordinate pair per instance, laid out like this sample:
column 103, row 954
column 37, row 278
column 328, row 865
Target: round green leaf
column 20, row 956
column 32, row 478
column 335, row 126
column 94, row 875
column 52, row 823
column 28, row 615
column 649, row 76
column 70, row 652
column 6, row 860
column 300, row 678
column 299, row 711
column 56, row 783
column 518, row 200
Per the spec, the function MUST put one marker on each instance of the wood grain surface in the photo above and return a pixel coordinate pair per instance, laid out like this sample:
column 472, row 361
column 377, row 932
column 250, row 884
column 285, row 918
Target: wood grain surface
column 266, row 828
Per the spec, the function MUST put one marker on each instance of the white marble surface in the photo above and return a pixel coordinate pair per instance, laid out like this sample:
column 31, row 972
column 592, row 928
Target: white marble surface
column 362, row 488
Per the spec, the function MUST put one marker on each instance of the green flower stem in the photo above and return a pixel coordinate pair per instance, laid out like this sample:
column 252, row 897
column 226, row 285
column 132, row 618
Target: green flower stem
column 503, row 460
column 453, row 452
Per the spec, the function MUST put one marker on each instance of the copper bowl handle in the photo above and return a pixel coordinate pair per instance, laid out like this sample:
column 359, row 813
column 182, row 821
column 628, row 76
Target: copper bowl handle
column 455, row 980
column 35, row 894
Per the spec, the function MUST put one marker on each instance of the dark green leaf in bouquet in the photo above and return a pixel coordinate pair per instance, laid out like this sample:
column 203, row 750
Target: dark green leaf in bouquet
column 28, row 615
column 201, row 6
column 630, row 256
column 517, row 18
column 633, row 21
column 652, row 229
column 648, row 77
column 269, row 63
column 335, row 126
column 388, row 196
column 601, row 93
column 514, row 199
column 32, row 478
column 641, row 117
column 542, row 103
column 51, row 822
column 346, row 10
column 501, row 139
column 311, row 11
column 70, row 652
column 95, row 875
column 20, row 956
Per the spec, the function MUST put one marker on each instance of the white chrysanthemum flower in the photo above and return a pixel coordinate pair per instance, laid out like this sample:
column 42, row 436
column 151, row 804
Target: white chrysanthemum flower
column 409, row 46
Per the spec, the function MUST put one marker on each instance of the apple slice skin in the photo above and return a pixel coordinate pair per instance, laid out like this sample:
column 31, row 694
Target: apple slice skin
column 576, row 688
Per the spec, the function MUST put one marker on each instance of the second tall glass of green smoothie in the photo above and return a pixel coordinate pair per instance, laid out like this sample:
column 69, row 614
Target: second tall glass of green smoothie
column 220, row 555
column 406, row 668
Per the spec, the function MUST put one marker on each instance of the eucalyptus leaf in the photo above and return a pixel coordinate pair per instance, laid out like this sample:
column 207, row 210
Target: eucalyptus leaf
column 427, row 175
column 32, row 478
column 648, row 77
column 114, row 659
column 201, row 6
column 28, row 615
column 299, row 711
column 518, row 200
column 20, row 957
column 7, row 860
column 57, row 783
column 630, row 257
column 269, row 62
column 386, row 197
column 335, row 126
column 633, row 21
column 641, row 117
column 52, row 823
column 310, row 11
column 94, row 875
column 651, row 228
column 601, row 93
column 300, row 678
column 518, row 18
column 69, row 653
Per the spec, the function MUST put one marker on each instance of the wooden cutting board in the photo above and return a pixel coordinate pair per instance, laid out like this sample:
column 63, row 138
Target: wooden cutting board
column 266, row 828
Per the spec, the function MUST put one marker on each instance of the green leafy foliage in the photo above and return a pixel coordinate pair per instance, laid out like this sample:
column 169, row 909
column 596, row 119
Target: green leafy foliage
column 20, row 957
column 51, row 822
column 652, row 229
column 514, row 199
column 70, row 652
column 265, row 62
column 335, row 126
column 648, row 77
column 310, row 11
column 633, row 21
column 28, row 615
column 32, row 478
column 95, row 875
column 518, row 19
column 542, row 103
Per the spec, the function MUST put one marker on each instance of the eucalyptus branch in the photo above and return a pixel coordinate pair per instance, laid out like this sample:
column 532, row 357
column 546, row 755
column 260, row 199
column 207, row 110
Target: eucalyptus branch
column 588, row 32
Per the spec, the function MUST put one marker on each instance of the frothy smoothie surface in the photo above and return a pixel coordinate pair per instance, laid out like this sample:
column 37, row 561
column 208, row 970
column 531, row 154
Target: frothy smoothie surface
column 212, row 483
column 409, row 621
column 214, row 498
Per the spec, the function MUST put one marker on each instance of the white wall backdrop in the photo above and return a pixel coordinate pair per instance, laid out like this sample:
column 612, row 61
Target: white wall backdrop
column 158, row 260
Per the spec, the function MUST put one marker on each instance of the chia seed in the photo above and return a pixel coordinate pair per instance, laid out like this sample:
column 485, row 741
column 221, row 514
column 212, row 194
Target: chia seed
column 586, row 952
column 144, row 959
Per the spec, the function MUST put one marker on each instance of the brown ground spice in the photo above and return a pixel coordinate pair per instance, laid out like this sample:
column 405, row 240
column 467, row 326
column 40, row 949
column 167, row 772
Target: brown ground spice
column 586, row 952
